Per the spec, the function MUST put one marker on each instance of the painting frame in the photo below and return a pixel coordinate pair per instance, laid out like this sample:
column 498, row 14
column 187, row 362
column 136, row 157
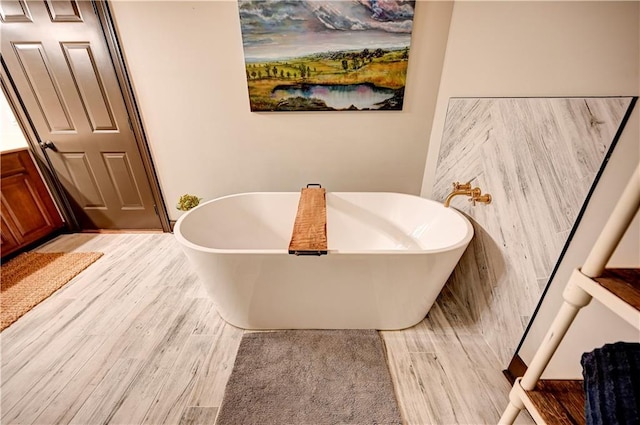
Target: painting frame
column 326, row 55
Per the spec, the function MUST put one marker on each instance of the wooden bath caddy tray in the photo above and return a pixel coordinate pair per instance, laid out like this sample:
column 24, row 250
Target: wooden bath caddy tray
column 309, row 235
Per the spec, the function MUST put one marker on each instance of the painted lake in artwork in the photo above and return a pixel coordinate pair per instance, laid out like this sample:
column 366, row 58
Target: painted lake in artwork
column 360, row 96
column 326, row 55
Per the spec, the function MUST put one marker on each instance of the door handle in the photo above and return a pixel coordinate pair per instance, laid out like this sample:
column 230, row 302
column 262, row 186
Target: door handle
column 48, row 144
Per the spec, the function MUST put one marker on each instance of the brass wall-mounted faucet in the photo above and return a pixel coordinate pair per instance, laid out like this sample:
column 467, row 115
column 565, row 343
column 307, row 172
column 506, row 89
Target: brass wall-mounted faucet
column 465, row 189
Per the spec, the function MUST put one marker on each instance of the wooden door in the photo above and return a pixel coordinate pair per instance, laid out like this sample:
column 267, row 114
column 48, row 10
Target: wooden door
column 56, row 56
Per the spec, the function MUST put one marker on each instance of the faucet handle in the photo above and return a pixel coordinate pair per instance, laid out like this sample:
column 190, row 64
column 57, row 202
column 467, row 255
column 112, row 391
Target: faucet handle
column 477, row 196
column 462, row 186
column 474, row 195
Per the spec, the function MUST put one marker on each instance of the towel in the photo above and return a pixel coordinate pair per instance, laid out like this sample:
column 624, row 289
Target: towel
column 612, row 384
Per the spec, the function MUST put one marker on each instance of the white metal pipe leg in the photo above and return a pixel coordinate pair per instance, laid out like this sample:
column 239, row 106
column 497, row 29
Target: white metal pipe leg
column 621, row 216
column 510, row 414
column 513, row 409
column 557, row 330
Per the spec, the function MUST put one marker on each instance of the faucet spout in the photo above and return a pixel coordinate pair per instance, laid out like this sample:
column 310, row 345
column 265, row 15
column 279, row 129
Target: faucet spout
column 468, row 192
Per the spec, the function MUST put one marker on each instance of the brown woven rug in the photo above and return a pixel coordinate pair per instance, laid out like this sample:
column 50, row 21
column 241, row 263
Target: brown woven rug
column 314, row 377
column 33, row 276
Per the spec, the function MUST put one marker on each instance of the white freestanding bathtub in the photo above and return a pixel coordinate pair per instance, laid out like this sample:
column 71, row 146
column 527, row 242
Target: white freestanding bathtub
column 389, row 256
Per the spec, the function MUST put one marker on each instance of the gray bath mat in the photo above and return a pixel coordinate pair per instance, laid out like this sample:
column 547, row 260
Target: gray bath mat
column 310, row 377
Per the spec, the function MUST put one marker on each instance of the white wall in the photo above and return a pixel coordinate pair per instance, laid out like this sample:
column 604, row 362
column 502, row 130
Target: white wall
column 11, row 136
column 511, row 49
column 187, row 66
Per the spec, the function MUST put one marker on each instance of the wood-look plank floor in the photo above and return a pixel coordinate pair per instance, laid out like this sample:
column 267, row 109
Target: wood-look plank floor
column 134, row 339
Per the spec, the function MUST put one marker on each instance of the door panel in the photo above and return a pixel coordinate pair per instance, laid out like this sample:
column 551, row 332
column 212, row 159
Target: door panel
column 8, row 241
column 37, row 72
column 81, row 174
column 122, row 178
column 89, row 84
column 61, row 67
column 18, row 190
column 14, row 11
column 63, row 11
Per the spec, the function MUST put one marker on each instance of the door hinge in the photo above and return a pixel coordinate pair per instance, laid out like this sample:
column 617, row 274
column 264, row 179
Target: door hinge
column 155, row 208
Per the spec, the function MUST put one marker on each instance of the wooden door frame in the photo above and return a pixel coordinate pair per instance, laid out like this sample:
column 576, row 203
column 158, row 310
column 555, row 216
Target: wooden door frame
column 110, row 35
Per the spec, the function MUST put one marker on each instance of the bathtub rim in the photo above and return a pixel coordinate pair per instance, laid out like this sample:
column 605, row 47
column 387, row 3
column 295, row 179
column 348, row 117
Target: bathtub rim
column 187, row 243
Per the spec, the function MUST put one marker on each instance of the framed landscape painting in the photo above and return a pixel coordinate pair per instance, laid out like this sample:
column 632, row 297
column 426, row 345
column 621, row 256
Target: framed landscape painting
column 335, row 55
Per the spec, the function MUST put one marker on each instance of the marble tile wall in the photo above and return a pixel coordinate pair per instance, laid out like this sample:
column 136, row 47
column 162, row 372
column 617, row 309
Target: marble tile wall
column 538, row 158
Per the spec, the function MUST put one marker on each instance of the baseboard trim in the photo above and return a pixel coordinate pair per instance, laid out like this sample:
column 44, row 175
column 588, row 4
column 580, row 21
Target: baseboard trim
column 515, row 369
column 120, row 231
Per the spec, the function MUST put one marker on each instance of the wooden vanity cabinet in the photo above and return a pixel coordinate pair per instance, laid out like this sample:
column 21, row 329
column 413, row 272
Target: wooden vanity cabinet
column 28, row 211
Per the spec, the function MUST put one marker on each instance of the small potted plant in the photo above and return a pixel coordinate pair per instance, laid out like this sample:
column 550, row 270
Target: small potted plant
column 186, row 202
